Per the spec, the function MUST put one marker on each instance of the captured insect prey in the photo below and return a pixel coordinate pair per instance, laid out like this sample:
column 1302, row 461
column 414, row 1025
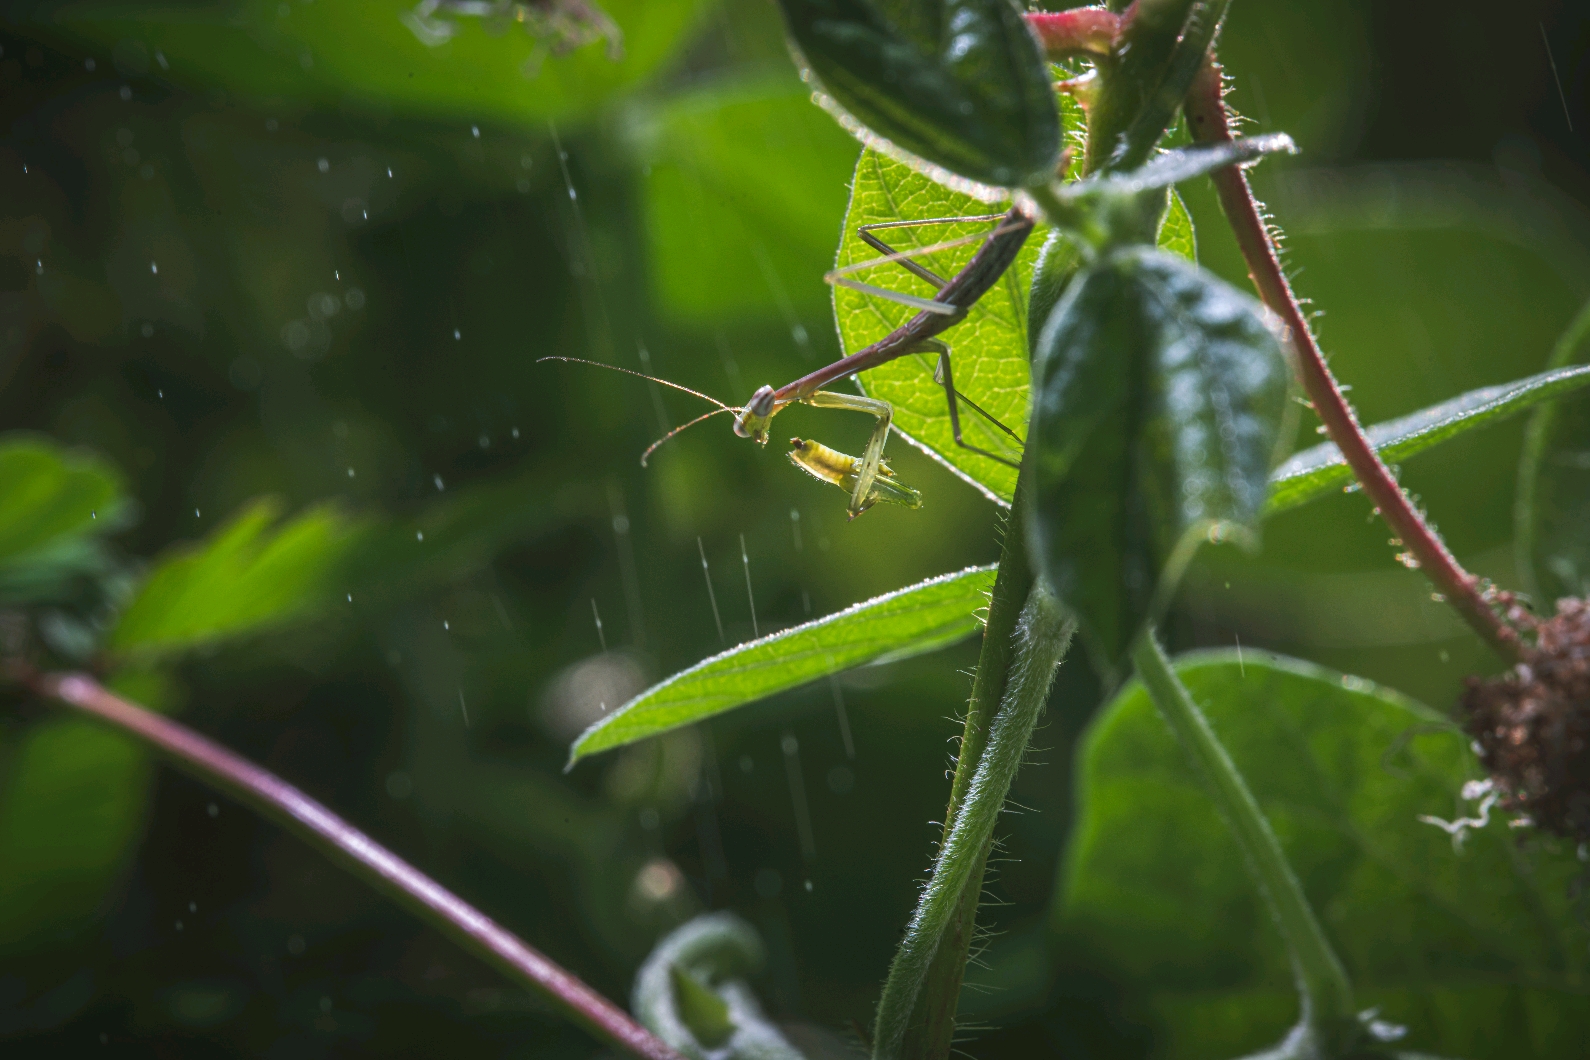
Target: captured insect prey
column 843, row 470
column 867, row 478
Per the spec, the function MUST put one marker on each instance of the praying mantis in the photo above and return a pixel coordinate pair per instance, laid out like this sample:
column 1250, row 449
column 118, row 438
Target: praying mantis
column 868, row 479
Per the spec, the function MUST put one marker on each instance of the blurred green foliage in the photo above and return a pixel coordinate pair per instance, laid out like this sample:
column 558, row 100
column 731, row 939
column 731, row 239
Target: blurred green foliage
column 229, row 274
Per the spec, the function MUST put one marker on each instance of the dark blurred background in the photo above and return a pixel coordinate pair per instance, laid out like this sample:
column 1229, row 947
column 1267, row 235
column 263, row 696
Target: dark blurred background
column 291, row 248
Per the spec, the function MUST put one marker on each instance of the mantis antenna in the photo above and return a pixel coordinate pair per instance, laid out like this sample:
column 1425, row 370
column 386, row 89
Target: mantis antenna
column 652, row 448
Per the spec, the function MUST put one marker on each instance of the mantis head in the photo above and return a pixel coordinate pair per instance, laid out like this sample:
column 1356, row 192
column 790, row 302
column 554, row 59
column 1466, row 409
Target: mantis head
column 752, row 421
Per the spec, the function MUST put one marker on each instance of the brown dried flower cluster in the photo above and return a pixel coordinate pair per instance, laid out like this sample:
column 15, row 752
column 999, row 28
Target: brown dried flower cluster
column 1533, row 726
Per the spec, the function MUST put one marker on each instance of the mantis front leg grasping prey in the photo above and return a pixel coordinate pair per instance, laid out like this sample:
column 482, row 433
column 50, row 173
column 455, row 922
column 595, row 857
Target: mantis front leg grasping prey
column 917, row 335
column 867, row 478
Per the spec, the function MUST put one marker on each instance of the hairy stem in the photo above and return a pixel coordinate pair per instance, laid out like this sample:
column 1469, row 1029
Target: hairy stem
column 1327, row 993
column 1206, row 118
column 1042, row 637
column 931, row 1026
column 363, row 856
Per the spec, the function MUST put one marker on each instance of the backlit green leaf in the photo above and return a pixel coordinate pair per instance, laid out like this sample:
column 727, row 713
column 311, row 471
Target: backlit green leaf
column 1315, row 472
column 919, row 618
column 1552, row 511
column 1476, row 950
column 1159, row 402
column 1176, row 230
column 958, row 83
column 248, row 575
column 53, row 504
column 989, row 349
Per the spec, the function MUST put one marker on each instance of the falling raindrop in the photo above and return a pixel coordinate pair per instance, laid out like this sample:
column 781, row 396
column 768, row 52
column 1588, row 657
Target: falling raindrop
column 213, row 810
column 350, row 598
column 196, row 513
column 388, row 172
column 324, row 165
column 457, row 334
column 419, row 535
column 154, row 268
column 38, row 267
column 350, row 472
column 88, row 64
column 515, row 433
column 475, row 131
column 126, row 93
column 161, row 394
column 445, row 625
column 438, row 480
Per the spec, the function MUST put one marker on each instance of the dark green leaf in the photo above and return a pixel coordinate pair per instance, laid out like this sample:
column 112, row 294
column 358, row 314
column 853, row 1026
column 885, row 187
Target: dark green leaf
column 1160, row 398
column 1552, row 512
column 742, row 183
column 958, row 83
column 1315, row 472
column 72, row 807
column 374, row 55
column 53, row 504
column 247, row 576
column 1476, row 950
column 920, row 618
column 989, row 349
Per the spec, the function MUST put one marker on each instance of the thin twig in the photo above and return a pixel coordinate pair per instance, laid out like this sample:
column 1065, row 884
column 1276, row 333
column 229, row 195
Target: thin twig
column 366, row 858
column 1206, row 118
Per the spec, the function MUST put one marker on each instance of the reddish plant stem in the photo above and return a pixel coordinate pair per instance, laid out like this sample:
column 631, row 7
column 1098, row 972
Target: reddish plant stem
column 272, row 795
column 1207, row 120
column 1079, row 31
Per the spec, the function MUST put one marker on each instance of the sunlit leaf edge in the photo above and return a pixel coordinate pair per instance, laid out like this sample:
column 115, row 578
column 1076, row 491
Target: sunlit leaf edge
column 1320, row 470
column 609, row 732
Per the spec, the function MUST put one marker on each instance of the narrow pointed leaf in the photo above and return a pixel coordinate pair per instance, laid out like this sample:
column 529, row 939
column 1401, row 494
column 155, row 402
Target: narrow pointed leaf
column 1475, row 950
column 989, row 349
column 919, row 618
column 1315, row 472
column 1160, row 394
column 958, row 83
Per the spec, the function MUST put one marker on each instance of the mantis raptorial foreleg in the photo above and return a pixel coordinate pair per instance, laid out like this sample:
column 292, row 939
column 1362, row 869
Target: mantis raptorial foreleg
column 868, row 479
column 867, row 470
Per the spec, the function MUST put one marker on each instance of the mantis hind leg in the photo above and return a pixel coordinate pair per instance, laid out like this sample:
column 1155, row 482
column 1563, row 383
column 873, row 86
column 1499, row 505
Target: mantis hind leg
column 867, row 468
column 943, row 375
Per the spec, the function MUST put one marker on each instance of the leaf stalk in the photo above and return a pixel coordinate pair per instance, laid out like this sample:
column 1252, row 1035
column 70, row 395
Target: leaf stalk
column 1327, row 994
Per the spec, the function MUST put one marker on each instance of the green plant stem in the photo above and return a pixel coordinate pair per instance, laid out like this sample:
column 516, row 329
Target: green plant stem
column 1535, row 438
column 1327, row 993
column 931, row 1026
column 1042, row 637
column 1154, row 53
column 1206, row 119
column 364, row 857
